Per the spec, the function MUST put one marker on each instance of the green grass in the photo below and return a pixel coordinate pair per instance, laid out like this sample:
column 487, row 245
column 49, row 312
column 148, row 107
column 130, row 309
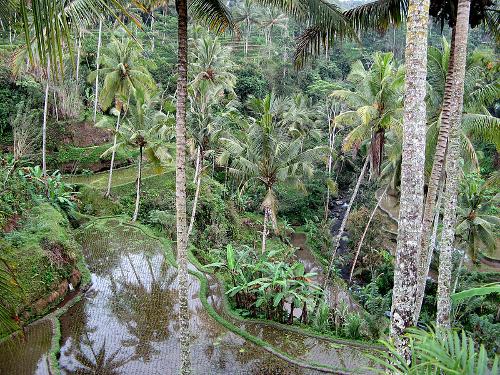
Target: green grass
column 28, row 252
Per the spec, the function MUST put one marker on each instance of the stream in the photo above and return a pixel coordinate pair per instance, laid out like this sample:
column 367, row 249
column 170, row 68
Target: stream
column 127, row 322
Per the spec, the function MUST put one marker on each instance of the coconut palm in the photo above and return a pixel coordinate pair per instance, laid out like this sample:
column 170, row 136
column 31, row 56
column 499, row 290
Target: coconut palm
column 245, row 14
column 272, row 18
column 476, row 226
column 297, row 115
column 123, row 75
column 212, row 79
column 412, row 177
column 376, row 105
column 141, row 128
column 267, row 155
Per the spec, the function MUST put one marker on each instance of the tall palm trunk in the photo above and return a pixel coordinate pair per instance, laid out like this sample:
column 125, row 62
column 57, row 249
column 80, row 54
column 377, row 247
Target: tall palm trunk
column 448, row 110
column 452, row 167
column 412, row 176
column 78, row 53
column 331, row 144
column 197, row 177
column 180, row 185
column 435, row 177
column 138, row 187
column 44, row 124
column 97, row 69
column 337, row 238
column 267, row 215
column 377, row 152
column 360, row 244
column 110, row 177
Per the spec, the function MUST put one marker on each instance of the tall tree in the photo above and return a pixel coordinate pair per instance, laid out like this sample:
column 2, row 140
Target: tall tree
column 266, row 154
column 217, row 17
column 123, row 76
column 461, row 31
column 376, row 104
column 412, row 176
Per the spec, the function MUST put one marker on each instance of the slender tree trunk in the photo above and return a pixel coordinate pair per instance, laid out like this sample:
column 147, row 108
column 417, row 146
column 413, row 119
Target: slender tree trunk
column 337, row 238
column 199, row 165
column 110, row 177
column 180, row 185
column 436, row 173
column 247, row 36
column 432, row 246
column 377, row 152
column 412, row 176
column 138, row 188
column 44, row 124
column 264, row 229
column 448, row 235
column 331, row 144
column 454, row 79
column 78, row 52
column 452, row 167
column 360, row 244
column 459, row 269
column 56, row 112
column 97, row 69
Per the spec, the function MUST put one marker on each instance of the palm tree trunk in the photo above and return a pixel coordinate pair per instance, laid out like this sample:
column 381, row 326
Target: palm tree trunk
column 412, row 176
column 44, row 124
column 377, row 151
column 454, row 80
column 337, row 238
column 358, row 250
column 97, row 68
column 78, row 53
column 432, row 246
column 452, row 167
column 448, row 236
column 459, row 269
column 331, row 142
column 110, row 177
column 199, row 164
column 264, row 229
column 180, row 185
column 138, row 189
column 436, row 172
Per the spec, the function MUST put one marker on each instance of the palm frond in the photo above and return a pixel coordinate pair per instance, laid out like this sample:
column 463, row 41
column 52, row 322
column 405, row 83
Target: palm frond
column 214, row 13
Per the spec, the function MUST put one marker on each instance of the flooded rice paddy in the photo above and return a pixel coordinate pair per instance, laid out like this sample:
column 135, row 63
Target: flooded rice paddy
column 127, row 322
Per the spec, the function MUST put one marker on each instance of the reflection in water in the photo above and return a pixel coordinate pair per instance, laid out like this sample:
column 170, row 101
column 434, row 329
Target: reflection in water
column 127, row 322
column 27, row 354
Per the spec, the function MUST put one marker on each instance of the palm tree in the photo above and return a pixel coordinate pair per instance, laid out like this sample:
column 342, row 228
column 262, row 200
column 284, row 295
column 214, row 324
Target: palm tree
column 267, row 155
column 245, row 13
column 412, row 176
column 123, row 75
column 475, row 225
column 297, row 115
column 212, row 79
column 376, row 104
column 272, row 18
column 448, row 147
column 142, row 129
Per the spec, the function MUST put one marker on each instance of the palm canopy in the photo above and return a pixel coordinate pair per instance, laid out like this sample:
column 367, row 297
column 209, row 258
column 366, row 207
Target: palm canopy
column 479, row 93
column 123, row 73
column 376, row 104
column 49, row 24
column 142, row 126
column 476, row 225
column 266, row 153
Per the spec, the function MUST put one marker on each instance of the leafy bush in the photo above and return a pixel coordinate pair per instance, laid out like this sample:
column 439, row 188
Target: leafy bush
column 437, row 352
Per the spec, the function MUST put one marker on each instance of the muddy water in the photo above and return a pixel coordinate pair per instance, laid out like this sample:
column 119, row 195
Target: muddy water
column 341, row 356
column 127, row 322
column 29, row 353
